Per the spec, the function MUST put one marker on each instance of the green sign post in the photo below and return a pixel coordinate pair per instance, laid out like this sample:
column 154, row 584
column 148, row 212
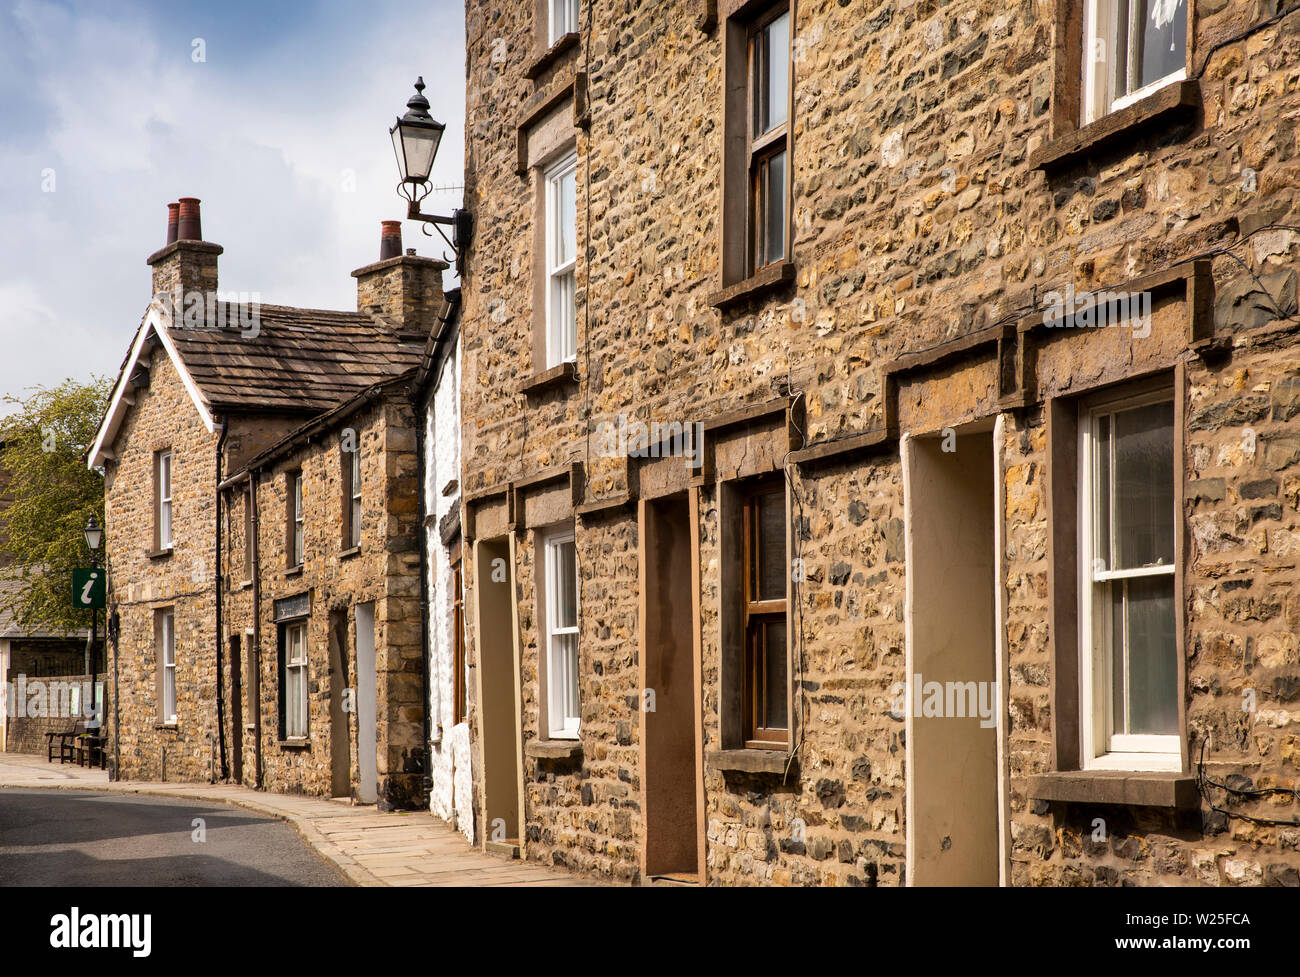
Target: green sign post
column 88, row 587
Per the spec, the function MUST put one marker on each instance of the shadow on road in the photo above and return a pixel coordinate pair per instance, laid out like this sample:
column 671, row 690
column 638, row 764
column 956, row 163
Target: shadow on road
column 88, row 838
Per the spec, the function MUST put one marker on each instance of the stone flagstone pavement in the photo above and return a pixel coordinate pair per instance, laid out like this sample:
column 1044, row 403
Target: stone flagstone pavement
column 371, row 847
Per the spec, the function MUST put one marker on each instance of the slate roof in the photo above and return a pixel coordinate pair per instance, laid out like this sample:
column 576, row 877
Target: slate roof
column 300, row 360
column 416, row 378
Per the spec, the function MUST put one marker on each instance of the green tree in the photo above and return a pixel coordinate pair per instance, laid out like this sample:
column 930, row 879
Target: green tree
column 52, row 495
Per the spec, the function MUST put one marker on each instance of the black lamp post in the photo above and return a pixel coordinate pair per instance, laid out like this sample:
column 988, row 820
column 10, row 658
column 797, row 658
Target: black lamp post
column 94, row 534
column 416, row 136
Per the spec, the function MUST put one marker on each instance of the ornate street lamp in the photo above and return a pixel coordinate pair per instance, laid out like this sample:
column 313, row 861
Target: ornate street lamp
column 94, row 534
column 416, row 136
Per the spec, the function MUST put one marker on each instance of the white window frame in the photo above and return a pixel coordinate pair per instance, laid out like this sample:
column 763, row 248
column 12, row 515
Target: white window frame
column 354, row 498
column 295, row 661
column 1103, row 749
column 248, row 535
column 562, row 18
column 1100, row 24
column 561, row 302
column 168, row 653
column 299, row 537
column 570, row 721
column 165, row 538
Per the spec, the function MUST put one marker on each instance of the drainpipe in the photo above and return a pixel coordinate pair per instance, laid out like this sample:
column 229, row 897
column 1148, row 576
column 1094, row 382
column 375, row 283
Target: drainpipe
column 221, row 697
column 421, row 415
column 115, row 627
column 257, row 634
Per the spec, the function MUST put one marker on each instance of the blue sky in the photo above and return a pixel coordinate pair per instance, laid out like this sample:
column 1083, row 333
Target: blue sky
column 281, row 132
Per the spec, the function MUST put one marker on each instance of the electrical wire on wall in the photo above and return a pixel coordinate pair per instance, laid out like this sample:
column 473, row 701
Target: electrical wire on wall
column 1203, row 782
column 1241, row 36
column 586, row 250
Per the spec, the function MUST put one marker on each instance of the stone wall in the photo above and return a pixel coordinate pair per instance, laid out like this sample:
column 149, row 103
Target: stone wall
column 585, row 814
column 164, row 416
column 50, row 704
column 383, row 570
column 920, row 217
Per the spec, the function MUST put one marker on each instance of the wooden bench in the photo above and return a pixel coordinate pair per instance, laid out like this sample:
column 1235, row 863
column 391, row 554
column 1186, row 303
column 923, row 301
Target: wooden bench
column 67, row 741
column 90, row 749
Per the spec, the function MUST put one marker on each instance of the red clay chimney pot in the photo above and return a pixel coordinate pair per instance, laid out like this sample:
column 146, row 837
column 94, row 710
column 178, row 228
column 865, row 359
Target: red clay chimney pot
column 191, row 227
column 390, row 239
column 173, row 221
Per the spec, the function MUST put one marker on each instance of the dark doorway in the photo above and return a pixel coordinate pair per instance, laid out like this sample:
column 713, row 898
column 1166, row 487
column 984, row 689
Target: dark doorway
column 236, row 711
column 668, row 715
column 953, row 821
column 340, row 756
column 498, row 675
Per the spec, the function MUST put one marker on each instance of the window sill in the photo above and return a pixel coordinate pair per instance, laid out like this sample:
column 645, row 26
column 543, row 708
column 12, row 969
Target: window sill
column 162, row 554
column 1172, row 103
column 170, row 726
column 350, row 552
column 770, row 279
column 295, row 743
column 560, row 375
column 245, row 584
column 544, row 60
column 294, row 571
column 750, row 761
column 1172, row 789
column 553, row 749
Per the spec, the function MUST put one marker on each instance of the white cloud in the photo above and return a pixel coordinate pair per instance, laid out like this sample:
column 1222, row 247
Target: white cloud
column 129, row 123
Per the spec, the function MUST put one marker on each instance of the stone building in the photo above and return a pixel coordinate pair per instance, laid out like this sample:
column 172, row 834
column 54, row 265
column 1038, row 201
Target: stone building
column 880, row 461
column 261, row 471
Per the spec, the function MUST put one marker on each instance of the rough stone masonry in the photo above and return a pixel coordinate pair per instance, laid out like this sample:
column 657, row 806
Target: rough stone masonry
column 942, row 183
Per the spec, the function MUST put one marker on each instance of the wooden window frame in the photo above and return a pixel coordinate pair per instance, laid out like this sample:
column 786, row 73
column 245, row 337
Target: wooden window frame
column 460, row 685
column 741, row 151
column 764, row 147
column 561, row 337
column 1101, row 748
column 164, row 473
column 350, row 465
column 756, row 614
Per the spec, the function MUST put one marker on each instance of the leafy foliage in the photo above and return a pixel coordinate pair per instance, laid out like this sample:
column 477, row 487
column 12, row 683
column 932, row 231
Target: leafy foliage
column 53, row 495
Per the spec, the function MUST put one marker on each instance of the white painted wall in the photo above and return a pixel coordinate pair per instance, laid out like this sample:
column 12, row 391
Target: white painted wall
column 452, row 796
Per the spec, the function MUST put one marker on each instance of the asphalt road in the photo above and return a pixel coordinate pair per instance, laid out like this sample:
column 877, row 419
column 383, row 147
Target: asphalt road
column 65, row 837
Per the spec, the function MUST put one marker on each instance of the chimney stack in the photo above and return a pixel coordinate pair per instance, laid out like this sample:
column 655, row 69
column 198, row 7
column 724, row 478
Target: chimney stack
column 404, row 291
column 186, row 263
